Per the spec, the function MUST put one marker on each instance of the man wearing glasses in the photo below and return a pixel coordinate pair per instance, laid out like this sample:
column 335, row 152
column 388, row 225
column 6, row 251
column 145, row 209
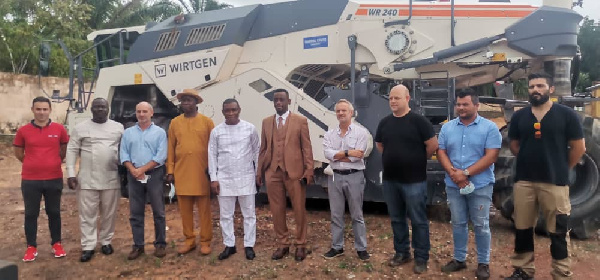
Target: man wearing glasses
column 547, row 139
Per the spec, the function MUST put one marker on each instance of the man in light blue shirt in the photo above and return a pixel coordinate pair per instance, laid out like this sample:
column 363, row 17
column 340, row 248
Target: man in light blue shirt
column 143, row 153
column 468, row 147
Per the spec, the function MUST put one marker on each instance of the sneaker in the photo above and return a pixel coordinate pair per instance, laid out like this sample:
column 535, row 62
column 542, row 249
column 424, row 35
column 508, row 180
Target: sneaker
column 58, row 250
column 30, row 254
column 420, row 267
column 453, row 266
column 363, row 255
column 518, row 274
column 332, row 253
column 483, row 271
column 399, row 259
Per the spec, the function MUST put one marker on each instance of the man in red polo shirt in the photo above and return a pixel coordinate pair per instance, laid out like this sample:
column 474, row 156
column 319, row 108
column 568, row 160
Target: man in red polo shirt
column 41, row 146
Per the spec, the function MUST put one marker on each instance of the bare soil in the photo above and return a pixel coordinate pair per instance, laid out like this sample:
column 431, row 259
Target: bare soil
column 585, row 254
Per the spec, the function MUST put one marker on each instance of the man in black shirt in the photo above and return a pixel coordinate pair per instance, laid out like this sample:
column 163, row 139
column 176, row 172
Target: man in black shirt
column 547, row 139
column 406, row 140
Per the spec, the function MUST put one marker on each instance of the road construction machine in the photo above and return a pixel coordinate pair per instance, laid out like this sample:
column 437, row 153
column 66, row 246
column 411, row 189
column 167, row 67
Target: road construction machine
column 322, row 51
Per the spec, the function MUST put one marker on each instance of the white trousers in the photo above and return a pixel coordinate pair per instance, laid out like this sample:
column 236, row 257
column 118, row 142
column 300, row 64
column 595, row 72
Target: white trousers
column 226, row 210
column 94, row 203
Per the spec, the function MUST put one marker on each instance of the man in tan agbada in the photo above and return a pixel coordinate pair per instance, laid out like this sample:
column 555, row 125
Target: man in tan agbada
column 96, row 142
column 187, row 165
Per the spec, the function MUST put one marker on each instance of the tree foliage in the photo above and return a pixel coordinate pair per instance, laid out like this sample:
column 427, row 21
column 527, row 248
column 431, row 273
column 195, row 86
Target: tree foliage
column 24, row 23
column 113, row 14
column 589, row 43
column 198, row 6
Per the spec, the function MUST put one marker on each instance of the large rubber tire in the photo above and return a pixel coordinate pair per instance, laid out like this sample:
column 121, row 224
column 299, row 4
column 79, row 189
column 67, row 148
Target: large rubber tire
column 584, row 191
column 585, row 183
column 123, row 181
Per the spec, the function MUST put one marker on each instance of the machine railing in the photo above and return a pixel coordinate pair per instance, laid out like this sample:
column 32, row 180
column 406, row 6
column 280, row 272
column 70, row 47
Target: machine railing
column 77, row 70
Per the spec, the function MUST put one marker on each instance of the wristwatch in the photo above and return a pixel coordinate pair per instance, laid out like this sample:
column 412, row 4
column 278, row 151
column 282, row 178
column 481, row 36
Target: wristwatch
column 346, row 153
column 466, row 172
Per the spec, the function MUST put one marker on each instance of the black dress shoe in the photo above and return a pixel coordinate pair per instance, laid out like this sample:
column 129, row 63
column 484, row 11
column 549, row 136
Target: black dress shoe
column 86, row 255
column 107, row 249
column 227, row 252
column 249, row 253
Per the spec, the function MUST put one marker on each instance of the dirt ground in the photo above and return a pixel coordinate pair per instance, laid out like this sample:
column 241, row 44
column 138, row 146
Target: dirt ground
column 585, row 254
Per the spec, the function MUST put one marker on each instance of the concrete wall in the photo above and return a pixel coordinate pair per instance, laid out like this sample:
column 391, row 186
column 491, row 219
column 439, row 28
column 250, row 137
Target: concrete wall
column 16, row 94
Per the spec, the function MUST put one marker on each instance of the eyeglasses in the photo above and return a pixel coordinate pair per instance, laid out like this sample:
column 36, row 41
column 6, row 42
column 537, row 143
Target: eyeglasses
column 538, row 133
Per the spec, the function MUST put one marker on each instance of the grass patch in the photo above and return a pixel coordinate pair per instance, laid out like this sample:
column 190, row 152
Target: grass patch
column 368, row 267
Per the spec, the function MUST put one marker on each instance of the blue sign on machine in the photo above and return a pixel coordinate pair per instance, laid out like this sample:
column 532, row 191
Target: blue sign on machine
column 316, row 42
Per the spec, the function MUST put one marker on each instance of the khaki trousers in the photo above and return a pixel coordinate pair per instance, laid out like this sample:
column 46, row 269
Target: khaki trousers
column 553, row 201
column 186, row 208
column 278, row 183
column 94, row 203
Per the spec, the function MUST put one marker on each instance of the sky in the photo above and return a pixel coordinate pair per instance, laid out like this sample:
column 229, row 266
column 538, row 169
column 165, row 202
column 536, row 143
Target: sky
column 590, row 8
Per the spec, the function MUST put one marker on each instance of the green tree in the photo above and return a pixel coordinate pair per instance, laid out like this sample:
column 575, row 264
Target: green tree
column 24, row 23
column 589, row 43
column 198, row 6
column 115, row 13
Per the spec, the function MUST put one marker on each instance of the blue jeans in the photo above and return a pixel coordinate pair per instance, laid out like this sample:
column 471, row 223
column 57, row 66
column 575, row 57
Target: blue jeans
column 475, row 206
column 408, row 200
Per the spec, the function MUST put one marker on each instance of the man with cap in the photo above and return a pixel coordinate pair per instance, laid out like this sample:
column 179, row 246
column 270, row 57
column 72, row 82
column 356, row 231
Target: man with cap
column 187, row 169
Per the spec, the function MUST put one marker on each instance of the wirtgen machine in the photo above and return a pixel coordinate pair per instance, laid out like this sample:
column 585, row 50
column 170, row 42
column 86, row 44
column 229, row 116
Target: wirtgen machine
column 321, row 51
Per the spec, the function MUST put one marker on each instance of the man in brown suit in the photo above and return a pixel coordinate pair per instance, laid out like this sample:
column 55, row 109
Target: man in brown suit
column 285, row 160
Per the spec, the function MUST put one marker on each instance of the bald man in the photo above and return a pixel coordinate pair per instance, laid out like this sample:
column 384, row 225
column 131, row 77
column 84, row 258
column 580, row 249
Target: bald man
column 143, row 153
column 406, row 140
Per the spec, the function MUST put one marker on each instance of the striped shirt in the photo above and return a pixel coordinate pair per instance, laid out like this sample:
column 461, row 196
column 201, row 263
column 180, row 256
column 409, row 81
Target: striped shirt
column 355, row 139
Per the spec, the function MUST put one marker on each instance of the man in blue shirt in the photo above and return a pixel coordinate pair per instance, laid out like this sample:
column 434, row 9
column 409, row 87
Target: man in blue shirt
column 468, row 147
column 143, row 153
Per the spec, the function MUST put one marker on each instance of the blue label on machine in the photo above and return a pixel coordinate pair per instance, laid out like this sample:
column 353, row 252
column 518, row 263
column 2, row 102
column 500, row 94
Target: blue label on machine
column 316, row 42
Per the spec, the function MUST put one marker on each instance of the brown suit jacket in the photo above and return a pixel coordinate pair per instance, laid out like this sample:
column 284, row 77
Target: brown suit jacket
column 298, row 156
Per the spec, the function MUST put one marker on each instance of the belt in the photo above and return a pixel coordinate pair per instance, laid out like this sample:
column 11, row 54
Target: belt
column 346, row 171
column 149, row 172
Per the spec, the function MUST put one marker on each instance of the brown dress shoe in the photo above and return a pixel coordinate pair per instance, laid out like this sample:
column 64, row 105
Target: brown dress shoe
column 205, row 249
column 160, row 252
column 135, row 253
column 184, row 249
column 280, row 253
column 300, row 254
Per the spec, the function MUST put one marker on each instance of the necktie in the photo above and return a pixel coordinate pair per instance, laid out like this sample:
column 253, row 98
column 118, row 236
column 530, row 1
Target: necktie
column 280, row 122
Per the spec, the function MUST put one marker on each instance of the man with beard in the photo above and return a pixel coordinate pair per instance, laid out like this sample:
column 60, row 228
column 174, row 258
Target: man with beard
column 469, row 146
column 285, row 160
column 96, row 141
column 406, row 140
column 547, row 139
column 143, row 152
column 232, row 160
column 187, row 168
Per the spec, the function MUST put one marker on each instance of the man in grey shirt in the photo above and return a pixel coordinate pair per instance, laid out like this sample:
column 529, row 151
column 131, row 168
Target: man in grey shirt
column 344, row 146
column 96, row 141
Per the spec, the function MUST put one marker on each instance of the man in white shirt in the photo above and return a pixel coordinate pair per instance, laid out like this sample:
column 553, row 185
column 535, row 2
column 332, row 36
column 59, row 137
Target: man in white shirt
column 344, row 146
column 232, row 159
column 96, row 141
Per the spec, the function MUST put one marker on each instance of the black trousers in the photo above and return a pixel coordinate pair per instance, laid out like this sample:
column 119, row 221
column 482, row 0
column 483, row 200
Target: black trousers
column 138, row 192
column 33, row 190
